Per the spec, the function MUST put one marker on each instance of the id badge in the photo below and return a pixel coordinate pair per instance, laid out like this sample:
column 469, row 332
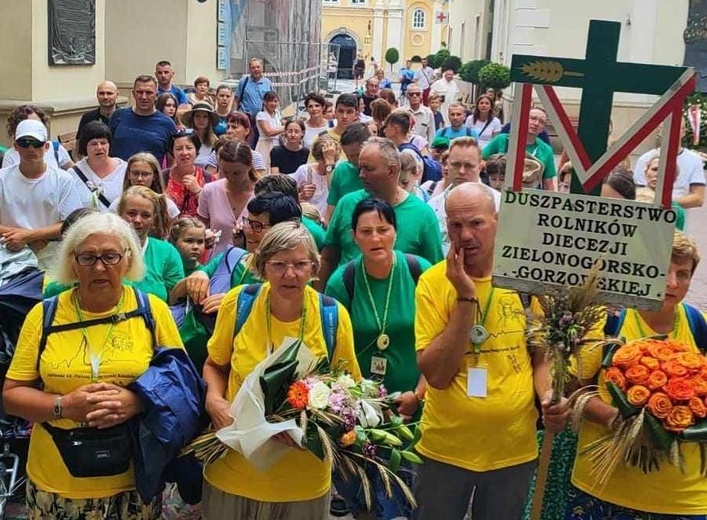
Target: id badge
column 379, row 365
column 477, row 382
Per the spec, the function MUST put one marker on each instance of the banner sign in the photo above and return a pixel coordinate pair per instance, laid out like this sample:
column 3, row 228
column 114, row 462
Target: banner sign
column 548, row 239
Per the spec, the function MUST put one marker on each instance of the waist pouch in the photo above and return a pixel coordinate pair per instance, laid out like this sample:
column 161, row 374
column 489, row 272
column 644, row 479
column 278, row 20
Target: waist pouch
column 90, row 452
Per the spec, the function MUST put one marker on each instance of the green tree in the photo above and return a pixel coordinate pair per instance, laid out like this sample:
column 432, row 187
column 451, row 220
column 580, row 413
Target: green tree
column 452, row 62
column 495, row 76
column 470, row 71
column 416, row 58
column 439, row 58
column 392, row 56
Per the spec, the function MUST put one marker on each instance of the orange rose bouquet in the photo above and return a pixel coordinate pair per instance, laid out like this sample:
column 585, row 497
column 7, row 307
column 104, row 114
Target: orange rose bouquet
column 660, row 388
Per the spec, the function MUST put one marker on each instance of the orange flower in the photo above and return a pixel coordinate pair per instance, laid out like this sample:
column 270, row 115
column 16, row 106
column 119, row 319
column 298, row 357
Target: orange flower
column 676, row 346
column 637, row 374
column 348, row 438
column 627, row 356
column 679, row 418
column 680, row 389
column 691, row 360
column 657, row 379
column 650, row 362
column 614, row 375
column 700, row 385
column 660, row 405
column 698, row 407
column 660, row 351
column 673, row 368
column 298, row 395
column 638, row 395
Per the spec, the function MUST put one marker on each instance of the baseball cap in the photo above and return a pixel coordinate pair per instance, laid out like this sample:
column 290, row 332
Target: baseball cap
column 31, row 128
column 440, row 142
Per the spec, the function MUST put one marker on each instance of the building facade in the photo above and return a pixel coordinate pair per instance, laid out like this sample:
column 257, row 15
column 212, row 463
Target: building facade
column 370, row 27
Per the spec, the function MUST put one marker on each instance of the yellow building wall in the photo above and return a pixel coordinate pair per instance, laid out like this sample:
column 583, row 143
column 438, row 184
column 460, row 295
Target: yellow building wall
column 16, row 50
column 349, row 20
column 418, row 41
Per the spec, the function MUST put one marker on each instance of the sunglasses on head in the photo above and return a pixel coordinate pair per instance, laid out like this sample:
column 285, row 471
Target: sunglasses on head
column 27, row 142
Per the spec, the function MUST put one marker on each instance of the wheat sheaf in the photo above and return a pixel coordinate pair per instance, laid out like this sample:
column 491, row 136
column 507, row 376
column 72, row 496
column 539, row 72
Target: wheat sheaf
column 547, row 71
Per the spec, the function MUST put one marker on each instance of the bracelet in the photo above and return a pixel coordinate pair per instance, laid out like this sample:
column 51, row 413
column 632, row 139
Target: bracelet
column 470, row 300
column 420, row 398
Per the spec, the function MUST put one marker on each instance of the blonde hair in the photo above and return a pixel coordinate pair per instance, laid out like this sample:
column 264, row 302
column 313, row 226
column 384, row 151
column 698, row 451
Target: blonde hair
column 95, row 223
column 160, row 222
column 464, row 142
column 284, row 237
column 685, row 248
column 309, row 210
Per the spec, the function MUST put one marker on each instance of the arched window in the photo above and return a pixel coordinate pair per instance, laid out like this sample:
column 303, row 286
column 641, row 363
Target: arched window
column 418, row 19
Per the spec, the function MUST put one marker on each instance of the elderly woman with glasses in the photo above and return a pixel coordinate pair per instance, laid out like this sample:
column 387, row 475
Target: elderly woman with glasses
column 285, row 306
column 70, row 371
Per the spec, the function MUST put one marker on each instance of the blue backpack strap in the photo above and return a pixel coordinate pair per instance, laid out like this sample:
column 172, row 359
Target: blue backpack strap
column 698, row 326
column 244, row 304
column 613, row 324
column 49, row 306
column 144, row 309
column 55, row 146
column 329, row 311
column 221, row 280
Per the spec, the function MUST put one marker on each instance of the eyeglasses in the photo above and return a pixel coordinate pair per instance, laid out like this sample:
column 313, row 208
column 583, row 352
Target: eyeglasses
column 27, row 142
column 255, row 225
column 88, row 260
column 139, row 174
column 410, row 94
column 280, row 268
column 539, row 120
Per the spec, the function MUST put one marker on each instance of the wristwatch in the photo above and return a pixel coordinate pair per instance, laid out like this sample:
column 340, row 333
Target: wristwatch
column 329, row 168
column 58, row 410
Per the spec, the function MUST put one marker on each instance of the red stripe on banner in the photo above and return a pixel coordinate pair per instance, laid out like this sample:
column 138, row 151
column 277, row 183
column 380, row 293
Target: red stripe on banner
column 567, row 125
column 526, row 97
column 672, row 158
column 675, row 103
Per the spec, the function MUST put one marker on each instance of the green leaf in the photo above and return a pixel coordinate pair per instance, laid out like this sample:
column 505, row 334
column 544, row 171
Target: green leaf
column 314, row 443
column 395, row 458
column 413, row 457
column 416, row 438
column 662, row 438
column 696, row 433
column 396, row 421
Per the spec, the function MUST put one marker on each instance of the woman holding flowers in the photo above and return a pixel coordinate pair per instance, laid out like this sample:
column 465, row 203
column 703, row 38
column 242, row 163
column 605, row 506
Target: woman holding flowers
column 297, row 486
column 628, row 492
column 378, row 289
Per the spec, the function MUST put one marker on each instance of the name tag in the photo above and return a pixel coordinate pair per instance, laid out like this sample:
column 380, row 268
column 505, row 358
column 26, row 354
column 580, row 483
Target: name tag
column 379, row 365
column 477, row 382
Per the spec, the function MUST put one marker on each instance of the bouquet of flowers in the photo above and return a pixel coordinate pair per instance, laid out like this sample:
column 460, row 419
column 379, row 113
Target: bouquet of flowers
column 660, row 388
column 324, row 410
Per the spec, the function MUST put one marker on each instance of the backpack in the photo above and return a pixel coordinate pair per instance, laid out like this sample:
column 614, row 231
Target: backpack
column 432, row 171
column 49, row 307
column 350, row 273
column 695, row 320
column 328, row 308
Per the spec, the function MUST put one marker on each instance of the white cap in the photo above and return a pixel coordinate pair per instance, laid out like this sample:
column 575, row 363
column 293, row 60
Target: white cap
column 31, row 128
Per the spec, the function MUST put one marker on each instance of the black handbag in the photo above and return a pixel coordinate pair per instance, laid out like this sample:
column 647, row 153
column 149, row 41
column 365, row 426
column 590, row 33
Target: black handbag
column 93, row 452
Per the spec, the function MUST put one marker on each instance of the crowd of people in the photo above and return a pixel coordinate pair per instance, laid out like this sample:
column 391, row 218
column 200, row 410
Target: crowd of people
column 183, row 209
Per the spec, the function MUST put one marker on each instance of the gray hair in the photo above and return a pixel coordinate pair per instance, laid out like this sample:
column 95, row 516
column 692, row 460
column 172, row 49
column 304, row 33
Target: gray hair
column 106, row 223
column 284, row 237
column 387, row 149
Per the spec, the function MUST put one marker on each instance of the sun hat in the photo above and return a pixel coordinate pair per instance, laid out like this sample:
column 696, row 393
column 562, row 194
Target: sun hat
column 188, row 116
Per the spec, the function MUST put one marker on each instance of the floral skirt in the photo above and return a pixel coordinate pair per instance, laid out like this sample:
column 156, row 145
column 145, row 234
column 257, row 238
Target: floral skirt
column 557, row 486
column 43, row 505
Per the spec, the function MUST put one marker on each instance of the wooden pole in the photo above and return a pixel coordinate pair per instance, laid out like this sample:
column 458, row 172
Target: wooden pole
column 541, row 479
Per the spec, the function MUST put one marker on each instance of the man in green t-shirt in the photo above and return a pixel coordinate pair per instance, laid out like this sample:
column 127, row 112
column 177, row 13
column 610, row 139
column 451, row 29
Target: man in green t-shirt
column 418, row 232
column 345, row 178
column 533, row 146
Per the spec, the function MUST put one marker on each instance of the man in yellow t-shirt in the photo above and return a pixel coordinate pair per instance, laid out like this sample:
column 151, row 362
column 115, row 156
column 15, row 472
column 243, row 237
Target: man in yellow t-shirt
column 478, row 424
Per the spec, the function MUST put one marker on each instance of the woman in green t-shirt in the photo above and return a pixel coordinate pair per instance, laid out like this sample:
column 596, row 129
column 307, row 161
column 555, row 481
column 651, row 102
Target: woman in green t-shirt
column 378, row 290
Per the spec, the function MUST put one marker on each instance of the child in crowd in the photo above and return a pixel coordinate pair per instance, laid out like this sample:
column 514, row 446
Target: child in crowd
column 188, row 235
column 496, row 171
column 410, row 175
column 435, row 103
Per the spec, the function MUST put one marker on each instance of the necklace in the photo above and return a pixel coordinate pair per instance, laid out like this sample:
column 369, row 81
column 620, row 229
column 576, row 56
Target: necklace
column 268, row 321
column 479, row 333
column 383, row 341
column 95, row 357
column 674, row 330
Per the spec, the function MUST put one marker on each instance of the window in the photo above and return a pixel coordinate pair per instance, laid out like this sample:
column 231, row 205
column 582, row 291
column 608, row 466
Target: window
column 357, row 2
column 331, row 1
column 418, row 19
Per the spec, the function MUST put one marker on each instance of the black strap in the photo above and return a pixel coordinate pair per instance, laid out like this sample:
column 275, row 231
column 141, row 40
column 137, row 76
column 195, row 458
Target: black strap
column 431, row 188
column 245, row 83
column 488, row 122
column 349, row 274
column 83, row 177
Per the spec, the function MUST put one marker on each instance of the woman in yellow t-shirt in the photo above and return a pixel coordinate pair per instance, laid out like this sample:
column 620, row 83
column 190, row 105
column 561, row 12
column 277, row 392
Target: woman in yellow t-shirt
column 296, row 487
column 78, row 378
column 630, row 493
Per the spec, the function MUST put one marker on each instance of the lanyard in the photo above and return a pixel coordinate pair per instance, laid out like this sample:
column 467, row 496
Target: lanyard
column 268, row 321
column 481, row 321
column 96, row 357
column 382, row 325
column 674, row 332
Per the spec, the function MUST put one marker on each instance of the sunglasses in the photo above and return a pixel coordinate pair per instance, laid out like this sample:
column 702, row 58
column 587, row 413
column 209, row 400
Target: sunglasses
column 27, row 142
column 410, row 94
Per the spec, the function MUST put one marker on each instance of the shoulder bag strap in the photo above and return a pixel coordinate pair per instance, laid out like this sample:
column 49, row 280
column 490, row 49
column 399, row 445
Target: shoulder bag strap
column 84, row 179
column 244, row 305
column 698, row 326
column 329, row 311
column 349, row 275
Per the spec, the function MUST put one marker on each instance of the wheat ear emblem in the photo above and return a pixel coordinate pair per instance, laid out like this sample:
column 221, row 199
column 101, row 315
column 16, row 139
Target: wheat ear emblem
column 547, row 71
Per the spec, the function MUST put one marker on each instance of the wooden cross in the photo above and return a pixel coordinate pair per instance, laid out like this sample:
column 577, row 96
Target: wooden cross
column 600, row 76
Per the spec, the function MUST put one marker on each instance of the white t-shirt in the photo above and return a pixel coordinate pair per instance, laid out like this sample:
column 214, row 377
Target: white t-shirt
column 304, row 174
column 37, row 203
column 12, row 157
column 273, row 121
column 110, row 186
column 437, row 205
column 311, row 132
column 202, row 158
column 489, row 131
